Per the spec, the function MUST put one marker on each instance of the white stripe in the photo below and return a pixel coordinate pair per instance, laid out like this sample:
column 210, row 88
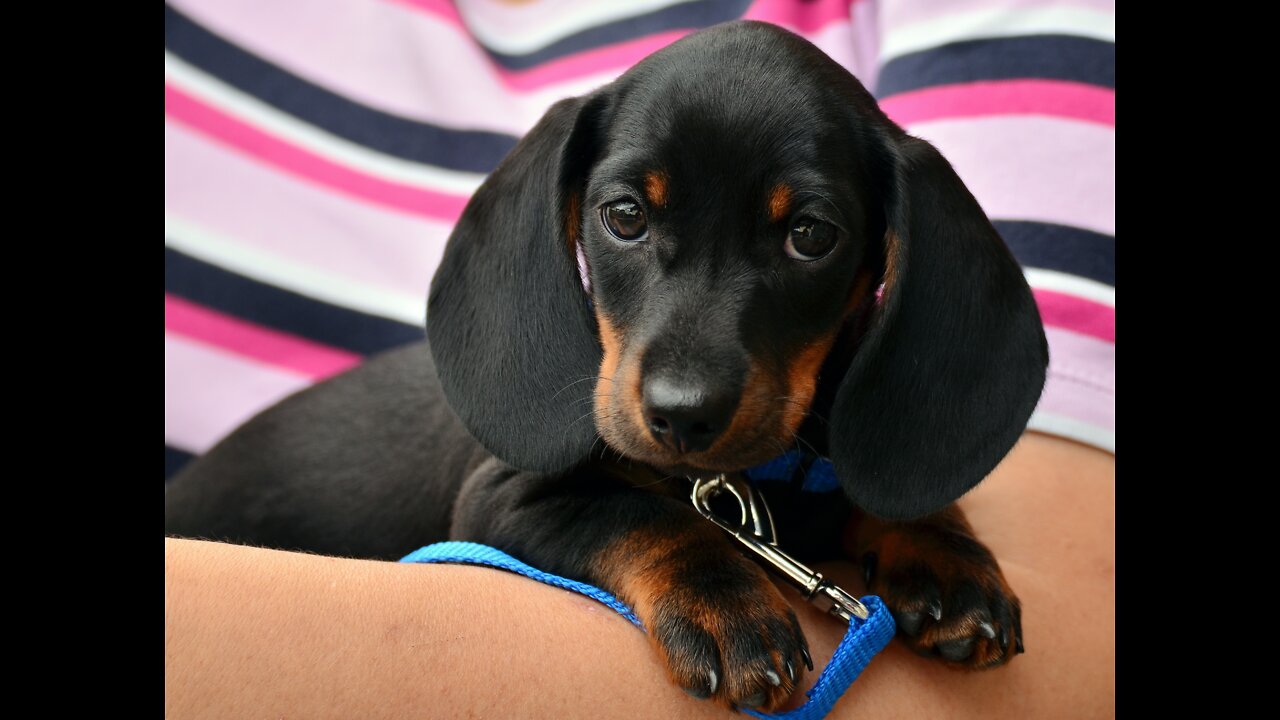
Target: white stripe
column 209, row 392
column 262, row 116
column 1070, row 285
column 1074, row 429
column 1033, row 167
column 997, row 23
column 516, row 29
column 287, row 273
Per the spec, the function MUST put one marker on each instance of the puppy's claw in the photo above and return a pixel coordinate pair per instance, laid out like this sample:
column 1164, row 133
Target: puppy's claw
column 987, row 630
column 773, row 678
column 1018, row 645
column 791, row 672
column 706, row 689
column 935, row 610
column 808, row 661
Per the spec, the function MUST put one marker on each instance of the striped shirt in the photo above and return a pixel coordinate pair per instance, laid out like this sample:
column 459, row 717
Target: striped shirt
column 317, row 155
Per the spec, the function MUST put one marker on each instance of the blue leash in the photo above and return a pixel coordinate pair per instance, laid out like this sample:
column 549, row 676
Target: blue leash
column 864, row 639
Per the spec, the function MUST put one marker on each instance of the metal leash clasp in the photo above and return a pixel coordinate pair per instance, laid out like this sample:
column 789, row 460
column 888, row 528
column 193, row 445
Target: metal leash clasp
column 755, row 530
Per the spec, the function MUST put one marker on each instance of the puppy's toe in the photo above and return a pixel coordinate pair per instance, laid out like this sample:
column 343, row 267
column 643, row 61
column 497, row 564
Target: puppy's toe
column 693, row 656
column 950, row 601
column 739, row 645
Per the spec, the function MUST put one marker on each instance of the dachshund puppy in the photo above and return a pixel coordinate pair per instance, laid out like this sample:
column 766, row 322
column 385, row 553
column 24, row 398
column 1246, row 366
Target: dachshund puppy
column 726, row 255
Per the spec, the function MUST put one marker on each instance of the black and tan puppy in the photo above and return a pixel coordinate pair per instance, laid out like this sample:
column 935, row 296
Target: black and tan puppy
column 727, row 253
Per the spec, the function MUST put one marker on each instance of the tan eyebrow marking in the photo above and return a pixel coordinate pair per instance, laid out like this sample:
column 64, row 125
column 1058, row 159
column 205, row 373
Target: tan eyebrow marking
column 655, row 187
column 779, row 202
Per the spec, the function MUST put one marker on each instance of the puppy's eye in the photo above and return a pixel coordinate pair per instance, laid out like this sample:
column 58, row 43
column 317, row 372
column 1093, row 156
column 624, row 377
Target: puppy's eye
column 624, row 220
column 810, row 239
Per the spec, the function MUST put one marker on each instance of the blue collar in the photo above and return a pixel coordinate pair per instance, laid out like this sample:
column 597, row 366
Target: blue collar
column 818, row 473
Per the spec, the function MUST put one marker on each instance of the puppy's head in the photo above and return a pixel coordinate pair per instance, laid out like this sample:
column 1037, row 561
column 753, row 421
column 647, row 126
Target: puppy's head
column 727, row 241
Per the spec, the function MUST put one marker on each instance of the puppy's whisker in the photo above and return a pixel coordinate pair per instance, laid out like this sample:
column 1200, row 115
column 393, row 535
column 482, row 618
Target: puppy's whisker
column 802, row 441
column 807, row 407
column 778, row 441
column 575, row 382
column 791, row 401
column 579, row 419
column 659, row 481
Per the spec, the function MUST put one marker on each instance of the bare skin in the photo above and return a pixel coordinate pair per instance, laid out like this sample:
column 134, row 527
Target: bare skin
column 262, row 633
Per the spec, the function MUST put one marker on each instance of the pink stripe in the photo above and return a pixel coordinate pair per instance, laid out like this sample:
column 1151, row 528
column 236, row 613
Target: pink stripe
column 897, row 14
column 190, row 111
column 243, row 201
column 1028, row 167
column 443, row 9
column 1008, row 97
column 299, row 355
column 208, row 393
column 1077, row 314
column 804, row 17
column 810, row 17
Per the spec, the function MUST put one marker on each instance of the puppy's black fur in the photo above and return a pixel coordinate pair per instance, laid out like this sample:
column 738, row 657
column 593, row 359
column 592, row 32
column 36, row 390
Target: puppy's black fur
column 701, row 346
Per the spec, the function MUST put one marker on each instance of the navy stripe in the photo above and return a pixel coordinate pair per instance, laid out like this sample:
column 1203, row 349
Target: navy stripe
column 685, row 16
column 462, row 150
column 283, row 310
column 1052, row 57
column 174, row 460
column 1062, row 248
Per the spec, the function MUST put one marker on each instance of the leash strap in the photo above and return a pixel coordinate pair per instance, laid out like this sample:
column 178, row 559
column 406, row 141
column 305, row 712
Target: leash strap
column 864, row 639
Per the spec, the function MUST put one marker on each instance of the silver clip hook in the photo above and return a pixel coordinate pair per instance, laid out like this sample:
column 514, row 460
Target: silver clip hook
column 755, row 530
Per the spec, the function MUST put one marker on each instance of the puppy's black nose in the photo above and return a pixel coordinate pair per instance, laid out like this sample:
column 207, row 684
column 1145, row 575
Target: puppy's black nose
column 687, row 415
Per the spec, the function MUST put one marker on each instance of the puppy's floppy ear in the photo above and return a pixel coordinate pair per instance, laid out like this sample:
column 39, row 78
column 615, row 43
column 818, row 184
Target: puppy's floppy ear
column 954, row 360
column 510, row 330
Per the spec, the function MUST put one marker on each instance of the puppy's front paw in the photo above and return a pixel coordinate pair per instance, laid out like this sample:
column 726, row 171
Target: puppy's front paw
column 947, row 594
column 728, row 634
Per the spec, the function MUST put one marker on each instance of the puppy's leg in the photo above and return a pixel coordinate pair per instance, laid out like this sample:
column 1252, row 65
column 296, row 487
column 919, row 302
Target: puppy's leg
column 723, row 628
column 944, row 587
